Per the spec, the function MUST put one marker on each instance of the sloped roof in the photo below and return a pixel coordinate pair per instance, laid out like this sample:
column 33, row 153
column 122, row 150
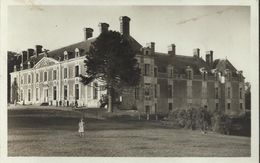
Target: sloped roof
column 179, row 62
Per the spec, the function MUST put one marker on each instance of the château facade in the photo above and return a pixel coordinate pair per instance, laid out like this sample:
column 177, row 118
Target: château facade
column 168, row 80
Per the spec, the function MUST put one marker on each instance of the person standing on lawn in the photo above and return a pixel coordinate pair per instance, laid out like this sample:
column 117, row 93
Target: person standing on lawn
column 81, row 127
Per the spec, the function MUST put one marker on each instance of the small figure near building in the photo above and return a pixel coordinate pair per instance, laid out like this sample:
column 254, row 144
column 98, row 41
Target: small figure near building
column 81, row 127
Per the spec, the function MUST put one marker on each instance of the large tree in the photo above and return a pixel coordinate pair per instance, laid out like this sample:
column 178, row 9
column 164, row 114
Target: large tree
column 111, row 59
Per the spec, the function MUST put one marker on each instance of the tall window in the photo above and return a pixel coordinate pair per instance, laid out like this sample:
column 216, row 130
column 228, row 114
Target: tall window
column 45, row 76
column 29, row 95
column 37, row 77
column 21, row 95
column 169, row 91
column 146, row 69
column 37, row 94
column 29, row 79
column 136, row 93
column 65, row 72
column 241, row 106
column 54, row 93
column 170, row 106
column 228, row 92
column 155, row 72
column 147, row 89
column 216, row 106
column 228, row 106
column 76, row 91
column 77, row 71
column 65, row 92
column 155, row 90
column 54, row 74
column 240, row 93
column 95, row 90
column 216, row 93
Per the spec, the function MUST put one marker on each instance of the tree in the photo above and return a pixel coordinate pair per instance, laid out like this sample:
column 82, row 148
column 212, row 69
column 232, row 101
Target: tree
column 111, row 59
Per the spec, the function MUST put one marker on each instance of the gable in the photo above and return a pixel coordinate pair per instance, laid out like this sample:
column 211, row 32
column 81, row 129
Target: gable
column 45, row 61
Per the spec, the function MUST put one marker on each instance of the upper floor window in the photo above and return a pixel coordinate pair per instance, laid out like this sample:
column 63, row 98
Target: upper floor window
column 240, row 93
column 169, row 91
column 76, row 52
column 155, row 72
column 77, row 71
column 216, row 92
column 155, row 90
column 29, row 79
column 95, row 90
column 66, row 55
column 54, row 74
column 241, row 106
column 37, row 77
column 45, row 76
column 228, row 92
column 146, row 69
column 228, row 106
column 65, row 72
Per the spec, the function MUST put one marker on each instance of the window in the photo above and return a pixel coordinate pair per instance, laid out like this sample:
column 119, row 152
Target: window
column 54, row 93
column 147, row 89
column 65, row 72
column 241, row 106
column 45, row 76
column 146, row 69
column 216, row 106
column 216, row 93
column 37, row 94
column 77, row 71
column 54, row 74
column 189, row 74
column 29, row 95
column 76, row 91
column 155, row 72
column 95, row 90
column 29, row 79
column 169, row 91
column 204, row 75
column 155, row 108
column 21, row 95
column 240, row 93
column 136, row 93
column 65, row 55
column 155, row 90
column 65, row 92
column 228, row 93
column 170, row 106
column 146, row 52
column 76, row 52
column 228, row 106
column 37, row 77
column 21, row 80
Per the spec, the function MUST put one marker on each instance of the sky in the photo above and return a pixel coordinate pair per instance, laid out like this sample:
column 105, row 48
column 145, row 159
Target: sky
column 223, row 29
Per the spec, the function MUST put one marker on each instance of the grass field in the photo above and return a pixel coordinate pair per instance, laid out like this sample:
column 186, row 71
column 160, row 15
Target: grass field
column 38, row 132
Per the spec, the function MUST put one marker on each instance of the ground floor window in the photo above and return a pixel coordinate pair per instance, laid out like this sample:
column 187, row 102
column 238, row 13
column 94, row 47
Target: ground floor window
column 37, row 94
column 76, row 91
column 170, row 106
column 54, row 93
column 21, row 95
column 95, row 90
column 65, row 92
column 29, row 95
column 228, row 106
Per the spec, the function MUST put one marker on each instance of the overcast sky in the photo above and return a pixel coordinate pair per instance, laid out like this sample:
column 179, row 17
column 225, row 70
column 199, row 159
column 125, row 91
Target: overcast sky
column 223, row 29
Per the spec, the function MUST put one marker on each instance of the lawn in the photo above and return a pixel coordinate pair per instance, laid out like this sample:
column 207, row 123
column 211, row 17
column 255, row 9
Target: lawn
column 39, row 132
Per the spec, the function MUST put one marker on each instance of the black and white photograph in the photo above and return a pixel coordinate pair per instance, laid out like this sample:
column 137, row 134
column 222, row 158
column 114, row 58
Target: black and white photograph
column 130, row 81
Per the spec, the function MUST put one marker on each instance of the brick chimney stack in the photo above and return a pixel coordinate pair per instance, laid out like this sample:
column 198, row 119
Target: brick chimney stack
column 88, row 33
column 172, row 49
column 196, row 52
column 24, row 56
column 151, row 45
column 209, row 57
column 38, row 50
column 103, row 27
column 125, row 25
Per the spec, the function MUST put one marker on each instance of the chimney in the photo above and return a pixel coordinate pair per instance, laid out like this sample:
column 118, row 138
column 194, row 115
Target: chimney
column 151, row 45
column 24, row 56
column 196, row 52
column 124, row 25
column 103, row 27
column 209, row 57
column 88, row 33
column 38, row 49
column 30, row 53
column 172, row 49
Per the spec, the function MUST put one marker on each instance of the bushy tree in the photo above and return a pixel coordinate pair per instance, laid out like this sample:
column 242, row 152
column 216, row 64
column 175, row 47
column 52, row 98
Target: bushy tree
column 111, row 59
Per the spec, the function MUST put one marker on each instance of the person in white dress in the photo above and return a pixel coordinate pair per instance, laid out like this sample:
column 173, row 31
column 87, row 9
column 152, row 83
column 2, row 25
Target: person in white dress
column 81, row 127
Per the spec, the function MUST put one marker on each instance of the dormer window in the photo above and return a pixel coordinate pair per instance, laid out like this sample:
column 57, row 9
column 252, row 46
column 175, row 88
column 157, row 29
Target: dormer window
column 66, row 55
column 76, row 52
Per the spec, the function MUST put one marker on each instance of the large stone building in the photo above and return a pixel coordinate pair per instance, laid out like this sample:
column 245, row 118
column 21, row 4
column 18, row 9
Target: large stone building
column 168, row 81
